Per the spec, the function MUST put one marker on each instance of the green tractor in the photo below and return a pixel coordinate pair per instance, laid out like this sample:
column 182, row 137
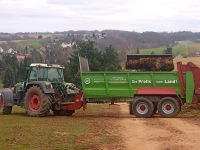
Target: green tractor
column 43, row 90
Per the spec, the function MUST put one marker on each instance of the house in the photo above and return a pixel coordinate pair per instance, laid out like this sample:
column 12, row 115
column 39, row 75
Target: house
column 1, row 50
column 22, row 57
column 67, row 45
column 11, row 51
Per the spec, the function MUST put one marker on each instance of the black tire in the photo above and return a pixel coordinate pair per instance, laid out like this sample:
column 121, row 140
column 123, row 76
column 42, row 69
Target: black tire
column 142, row 107
column 168, row 107
column 5, row 98
column 63, row 112
column 130, row 108
column 37, row 104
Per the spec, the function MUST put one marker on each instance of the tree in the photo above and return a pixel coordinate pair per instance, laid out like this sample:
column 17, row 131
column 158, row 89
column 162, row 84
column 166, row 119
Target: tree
column 106, row 60
column 87, row 50
column 9, row 78
column 110, row 59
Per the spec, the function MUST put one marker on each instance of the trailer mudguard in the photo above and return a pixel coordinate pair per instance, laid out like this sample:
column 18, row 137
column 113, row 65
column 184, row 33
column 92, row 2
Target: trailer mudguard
column 7, row 95
column 156, row 91
column 46, row 87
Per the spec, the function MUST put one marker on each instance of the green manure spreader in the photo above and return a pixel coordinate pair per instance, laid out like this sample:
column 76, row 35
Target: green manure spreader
column 146, row 92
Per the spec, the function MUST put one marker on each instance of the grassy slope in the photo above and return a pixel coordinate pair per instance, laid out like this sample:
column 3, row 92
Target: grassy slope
column 32, row 43
column 180, row 48
column 149, row 51
column 85, row 130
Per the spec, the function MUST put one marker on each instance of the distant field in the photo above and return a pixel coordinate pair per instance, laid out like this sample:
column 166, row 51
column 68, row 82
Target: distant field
column 182, row 48
column 91, row 129
column 154, row 50
column 31, row 43
column 195, row 60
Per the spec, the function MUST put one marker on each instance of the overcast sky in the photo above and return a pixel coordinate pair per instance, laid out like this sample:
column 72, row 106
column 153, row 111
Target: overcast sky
column 131, row 15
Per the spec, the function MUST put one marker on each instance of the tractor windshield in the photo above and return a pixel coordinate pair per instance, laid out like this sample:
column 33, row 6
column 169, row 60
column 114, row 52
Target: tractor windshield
column 46, row 74
column 55, row 75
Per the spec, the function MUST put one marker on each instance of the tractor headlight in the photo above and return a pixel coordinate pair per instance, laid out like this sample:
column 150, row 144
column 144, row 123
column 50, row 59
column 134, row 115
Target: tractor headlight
column 49, row 86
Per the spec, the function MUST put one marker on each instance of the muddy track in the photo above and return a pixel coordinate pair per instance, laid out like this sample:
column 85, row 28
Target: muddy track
column 158, row 133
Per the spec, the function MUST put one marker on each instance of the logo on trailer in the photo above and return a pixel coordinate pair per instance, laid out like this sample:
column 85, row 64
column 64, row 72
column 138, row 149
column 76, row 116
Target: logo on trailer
column 87, row 80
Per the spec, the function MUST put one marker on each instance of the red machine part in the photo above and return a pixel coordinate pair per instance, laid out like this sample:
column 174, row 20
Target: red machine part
column 156, row 91
column 182, row 68
column 78, row 103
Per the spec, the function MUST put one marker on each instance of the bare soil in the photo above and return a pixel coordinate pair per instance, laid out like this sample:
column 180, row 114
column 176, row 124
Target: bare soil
column 157, row 133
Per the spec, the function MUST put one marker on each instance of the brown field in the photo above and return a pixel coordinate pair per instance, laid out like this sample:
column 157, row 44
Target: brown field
column 12, row 41
column 195, row 60
column 101, row 127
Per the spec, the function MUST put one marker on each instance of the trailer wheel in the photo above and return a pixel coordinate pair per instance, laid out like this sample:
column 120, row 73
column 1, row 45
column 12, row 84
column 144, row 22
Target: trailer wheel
column 168, row 107
column 5, row 97
column 37, row 104
column 142, row 107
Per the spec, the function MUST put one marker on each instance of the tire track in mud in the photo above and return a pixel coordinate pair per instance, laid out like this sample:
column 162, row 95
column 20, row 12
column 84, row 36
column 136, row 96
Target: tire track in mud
column 158, row 133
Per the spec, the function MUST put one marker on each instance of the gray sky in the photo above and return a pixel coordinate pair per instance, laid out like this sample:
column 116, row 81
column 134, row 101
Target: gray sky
column 131, row 15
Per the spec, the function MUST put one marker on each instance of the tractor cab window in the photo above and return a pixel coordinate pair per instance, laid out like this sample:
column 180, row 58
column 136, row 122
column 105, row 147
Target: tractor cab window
column 42, row 74
column 33, row 74
column 55, row 75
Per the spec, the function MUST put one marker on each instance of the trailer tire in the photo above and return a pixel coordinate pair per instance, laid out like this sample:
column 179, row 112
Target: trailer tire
column 6, row 99
column 168, row 107
column 142, row 107
column 37, row 104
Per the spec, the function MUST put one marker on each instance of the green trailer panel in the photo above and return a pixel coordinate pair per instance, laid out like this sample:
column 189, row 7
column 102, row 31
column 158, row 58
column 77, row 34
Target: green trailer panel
column 190, row 86
column 125, row 84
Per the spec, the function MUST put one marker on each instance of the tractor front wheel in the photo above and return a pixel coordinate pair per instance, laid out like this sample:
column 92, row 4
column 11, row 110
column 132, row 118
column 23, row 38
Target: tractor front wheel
column 37, row 104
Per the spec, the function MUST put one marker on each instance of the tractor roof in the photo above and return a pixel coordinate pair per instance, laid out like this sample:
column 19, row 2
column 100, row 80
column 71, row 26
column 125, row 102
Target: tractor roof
column 46, row 65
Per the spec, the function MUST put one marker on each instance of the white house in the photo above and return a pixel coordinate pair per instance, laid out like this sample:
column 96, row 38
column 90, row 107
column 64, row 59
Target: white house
column 1, row 50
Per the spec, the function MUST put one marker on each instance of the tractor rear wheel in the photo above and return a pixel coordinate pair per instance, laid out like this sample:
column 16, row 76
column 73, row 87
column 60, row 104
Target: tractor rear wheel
column 142, row 107
column 5, row 97
column 63, row 112
column 168, row 107
column 37, row 104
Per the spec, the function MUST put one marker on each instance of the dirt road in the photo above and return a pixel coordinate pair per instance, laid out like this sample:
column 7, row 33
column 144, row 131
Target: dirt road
column 158, row 133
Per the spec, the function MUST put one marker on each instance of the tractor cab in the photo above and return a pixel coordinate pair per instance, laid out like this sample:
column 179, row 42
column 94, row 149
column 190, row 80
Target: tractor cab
column 45, row 72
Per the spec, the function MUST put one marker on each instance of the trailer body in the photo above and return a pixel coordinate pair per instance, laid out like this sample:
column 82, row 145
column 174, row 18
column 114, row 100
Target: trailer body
column 184, row 83
column 146, row 92
column 127, row 84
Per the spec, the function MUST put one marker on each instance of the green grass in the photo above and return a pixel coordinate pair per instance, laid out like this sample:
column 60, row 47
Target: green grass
column 84, row 130
column 154, row 50
column 31, row 43
column 180, row 49
column 183, row 48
